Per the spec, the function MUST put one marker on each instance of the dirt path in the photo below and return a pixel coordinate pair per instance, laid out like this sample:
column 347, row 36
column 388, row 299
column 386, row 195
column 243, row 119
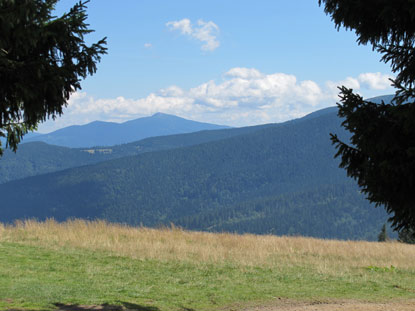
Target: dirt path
column 347, row 305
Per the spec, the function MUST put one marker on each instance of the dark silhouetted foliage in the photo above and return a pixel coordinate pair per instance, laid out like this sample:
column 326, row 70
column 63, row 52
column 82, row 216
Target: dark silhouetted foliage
column 42, row 60
column 383, row 234
column 381, row 156
column 407, row 236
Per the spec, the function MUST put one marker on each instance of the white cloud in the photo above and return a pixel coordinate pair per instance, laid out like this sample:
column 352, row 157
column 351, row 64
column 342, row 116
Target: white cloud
column 147, row 45
column 368, row 84
column 205, row 32
column 244, row 73
column 375, row 80
column 244, row 96
column 184, row 25
column 349, row 82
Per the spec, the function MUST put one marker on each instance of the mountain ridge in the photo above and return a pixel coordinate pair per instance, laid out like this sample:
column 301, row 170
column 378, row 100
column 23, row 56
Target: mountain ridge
column 276, row 167
column 276, row 178
column 34, row 158
column 102, row 133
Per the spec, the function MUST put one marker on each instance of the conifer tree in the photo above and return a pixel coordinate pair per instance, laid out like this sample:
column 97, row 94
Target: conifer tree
column 383, row 235
column 381, row 151
column 407, row 236
column 42, row 61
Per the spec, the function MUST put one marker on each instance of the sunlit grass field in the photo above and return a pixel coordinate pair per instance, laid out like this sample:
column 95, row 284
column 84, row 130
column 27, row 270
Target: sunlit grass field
column 43, row 264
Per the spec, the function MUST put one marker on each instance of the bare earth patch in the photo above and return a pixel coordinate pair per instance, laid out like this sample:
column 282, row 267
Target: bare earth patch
column 346, row 305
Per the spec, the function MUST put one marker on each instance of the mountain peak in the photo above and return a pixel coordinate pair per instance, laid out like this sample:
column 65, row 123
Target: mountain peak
column 161, row 115
column 100, row 133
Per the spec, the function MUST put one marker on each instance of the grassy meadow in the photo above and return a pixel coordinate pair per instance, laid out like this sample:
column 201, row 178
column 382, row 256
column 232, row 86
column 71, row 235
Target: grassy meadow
column 46, row 264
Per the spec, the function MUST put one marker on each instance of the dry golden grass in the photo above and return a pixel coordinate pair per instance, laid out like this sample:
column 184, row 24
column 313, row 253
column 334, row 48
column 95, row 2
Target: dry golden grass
column 201, row 247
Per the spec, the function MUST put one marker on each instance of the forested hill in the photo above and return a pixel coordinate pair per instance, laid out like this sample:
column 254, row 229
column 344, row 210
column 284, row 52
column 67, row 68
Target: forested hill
column 37, row 158
column 99, row 133
column 175, row 185
column 276, row 178
column 330, row 211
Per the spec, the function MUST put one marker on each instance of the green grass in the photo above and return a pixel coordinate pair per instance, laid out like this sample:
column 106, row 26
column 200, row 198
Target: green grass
column 36, row 278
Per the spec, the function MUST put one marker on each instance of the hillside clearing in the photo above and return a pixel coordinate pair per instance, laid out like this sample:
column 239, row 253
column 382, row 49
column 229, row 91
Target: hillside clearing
column 95, row 263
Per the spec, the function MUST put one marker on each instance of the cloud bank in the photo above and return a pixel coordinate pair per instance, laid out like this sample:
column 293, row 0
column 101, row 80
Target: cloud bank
column 205, row 32
column 244, row 96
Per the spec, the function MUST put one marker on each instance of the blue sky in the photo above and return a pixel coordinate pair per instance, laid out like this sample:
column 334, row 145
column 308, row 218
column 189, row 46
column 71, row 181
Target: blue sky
column 228, row 62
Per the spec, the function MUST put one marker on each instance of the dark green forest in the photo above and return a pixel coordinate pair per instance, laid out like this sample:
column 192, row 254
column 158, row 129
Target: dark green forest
column 37, row 158
column 279, row 178
column 333, row 211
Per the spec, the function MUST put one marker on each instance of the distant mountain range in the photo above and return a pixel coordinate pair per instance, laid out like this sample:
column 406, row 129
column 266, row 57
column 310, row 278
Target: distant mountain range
column 37, row 158
column 275, row 178
column 99, row 133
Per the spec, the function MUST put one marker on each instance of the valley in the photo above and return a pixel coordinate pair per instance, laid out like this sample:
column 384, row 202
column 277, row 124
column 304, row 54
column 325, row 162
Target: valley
column 275, row 178
column 207, row 155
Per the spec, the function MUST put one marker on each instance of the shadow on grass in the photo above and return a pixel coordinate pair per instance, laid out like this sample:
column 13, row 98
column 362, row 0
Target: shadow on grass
column 125, row 306
column 105, row 307
column 135, row 307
